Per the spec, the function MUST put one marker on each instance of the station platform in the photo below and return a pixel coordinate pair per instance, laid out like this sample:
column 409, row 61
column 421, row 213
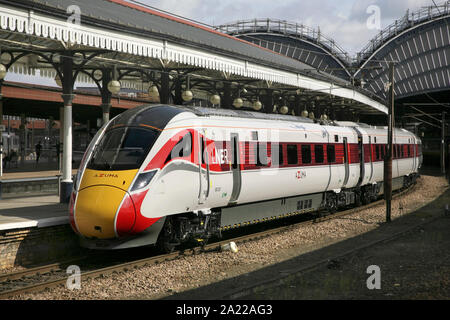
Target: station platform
column 29, row 212
column 20, row 210
column 34, row 225
column 35, row 230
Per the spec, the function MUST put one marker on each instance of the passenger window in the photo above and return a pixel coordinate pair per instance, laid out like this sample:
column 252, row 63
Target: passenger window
column 331, row 153
column 318, row 151
column 292, row 154
column 261, row 154
column 204, row 153
column 306, row 154
column 182, row 149
column 277, row 149
column 280, row 154
column 235, row 152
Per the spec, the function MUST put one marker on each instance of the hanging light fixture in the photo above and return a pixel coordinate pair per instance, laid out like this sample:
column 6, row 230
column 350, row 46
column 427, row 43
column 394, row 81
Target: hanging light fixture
column 58, row 80
column 153, row 92
column 238, row 103
column 187, row 95
column 257, row 105
column 305, row 113
column 284, row 110
column 215, row 99
column 2, row 71
column 114, row 86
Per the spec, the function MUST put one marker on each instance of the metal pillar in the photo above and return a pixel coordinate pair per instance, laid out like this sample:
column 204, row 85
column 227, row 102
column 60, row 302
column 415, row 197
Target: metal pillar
column 268, row 101
column 443, row 144
column 68, row 96
column 297, row 107
column 178, row 100
column 61, row 137
column 23, row 138
column 165, row 88
column 227, row 100
column 1, row 140
column 106, row 96
column 388, row 158
column 1, row 105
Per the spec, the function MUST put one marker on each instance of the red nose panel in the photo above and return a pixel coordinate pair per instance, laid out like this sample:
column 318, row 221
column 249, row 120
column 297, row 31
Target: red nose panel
column 126, row 217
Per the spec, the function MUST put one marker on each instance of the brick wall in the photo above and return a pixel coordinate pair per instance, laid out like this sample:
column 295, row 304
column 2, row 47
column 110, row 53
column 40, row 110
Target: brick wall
column 25, row 247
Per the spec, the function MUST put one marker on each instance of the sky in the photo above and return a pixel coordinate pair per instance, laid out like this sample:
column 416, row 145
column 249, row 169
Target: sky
column 345, row 21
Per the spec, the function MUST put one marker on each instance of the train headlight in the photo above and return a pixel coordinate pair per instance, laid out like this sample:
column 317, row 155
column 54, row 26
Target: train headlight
column 143, row 180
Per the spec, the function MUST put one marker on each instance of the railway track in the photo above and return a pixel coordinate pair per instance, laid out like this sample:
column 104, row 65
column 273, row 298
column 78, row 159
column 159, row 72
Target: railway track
column 50, row 276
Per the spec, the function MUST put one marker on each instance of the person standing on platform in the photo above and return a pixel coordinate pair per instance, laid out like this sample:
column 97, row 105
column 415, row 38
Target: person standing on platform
column 38, row 151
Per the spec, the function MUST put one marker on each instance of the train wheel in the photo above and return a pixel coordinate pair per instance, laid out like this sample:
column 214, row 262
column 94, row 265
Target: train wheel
column 331, row 202
column 167, row 240
column 358, row 200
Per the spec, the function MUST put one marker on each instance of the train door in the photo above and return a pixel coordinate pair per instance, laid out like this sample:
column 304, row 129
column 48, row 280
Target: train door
column 370, row 158
column 203, row 169
column 235, row 168
column 346, row 162
column 362, row 166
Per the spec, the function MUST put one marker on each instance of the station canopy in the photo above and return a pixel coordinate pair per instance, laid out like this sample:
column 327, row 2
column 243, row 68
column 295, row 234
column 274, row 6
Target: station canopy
column 140, row 42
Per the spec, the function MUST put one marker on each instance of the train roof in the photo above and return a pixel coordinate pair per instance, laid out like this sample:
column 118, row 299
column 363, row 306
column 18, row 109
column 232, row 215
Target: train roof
column 207, row 112
column 158, row 116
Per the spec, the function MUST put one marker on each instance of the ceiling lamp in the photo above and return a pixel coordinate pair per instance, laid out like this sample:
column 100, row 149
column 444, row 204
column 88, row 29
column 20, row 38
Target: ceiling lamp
column 153, row 92
column 257, row 105
column 58, row 80
column 311, row 115
column 284, row 110
column 238, row 103
column 305, row 113
column 2, row 72
column 114, row 86
column 215, row 99
column 187, row 95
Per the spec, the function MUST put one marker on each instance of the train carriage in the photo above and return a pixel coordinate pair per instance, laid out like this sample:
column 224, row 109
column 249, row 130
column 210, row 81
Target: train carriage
column 169, row 174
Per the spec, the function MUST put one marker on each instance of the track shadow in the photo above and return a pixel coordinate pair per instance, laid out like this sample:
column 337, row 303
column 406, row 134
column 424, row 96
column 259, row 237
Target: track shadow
column 331, row 257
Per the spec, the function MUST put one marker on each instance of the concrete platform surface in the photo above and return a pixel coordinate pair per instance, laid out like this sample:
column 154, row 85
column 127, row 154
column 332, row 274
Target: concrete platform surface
column 33, row 174
column 42, row 211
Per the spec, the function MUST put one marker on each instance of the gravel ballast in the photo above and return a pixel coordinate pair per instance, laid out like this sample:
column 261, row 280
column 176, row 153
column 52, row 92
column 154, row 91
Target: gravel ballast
column 189, row 272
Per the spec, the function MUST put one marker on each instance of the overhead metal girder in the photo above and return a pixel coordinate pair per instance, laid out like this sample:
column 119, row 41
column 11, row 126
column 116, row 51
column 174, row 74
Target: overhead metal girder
column 420, row 45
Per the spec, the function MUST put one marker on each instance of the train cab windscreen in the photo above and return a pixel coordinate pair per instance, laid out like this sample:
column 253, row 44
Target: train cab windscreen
column 123, row 148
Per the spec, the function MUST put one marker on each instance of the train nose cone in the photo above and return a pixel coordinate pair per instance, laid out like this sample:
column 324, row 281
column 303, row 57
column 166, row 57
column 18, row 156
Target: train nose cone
column 96, row 210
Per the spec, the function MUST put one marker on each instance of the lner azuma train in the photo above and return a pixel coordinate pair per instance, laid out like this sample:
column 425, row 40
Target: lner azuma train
column 169, row 174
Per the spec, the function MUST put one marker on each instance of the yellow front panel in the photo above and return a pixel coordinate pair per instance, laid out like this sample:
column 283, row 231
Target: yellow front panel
column 118, row 179
column 95, row 211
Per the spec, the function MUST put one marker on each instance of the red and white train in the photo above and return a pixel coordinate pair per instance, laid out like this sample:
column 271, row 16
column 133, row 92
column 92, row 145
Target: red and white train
column 169, row 174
